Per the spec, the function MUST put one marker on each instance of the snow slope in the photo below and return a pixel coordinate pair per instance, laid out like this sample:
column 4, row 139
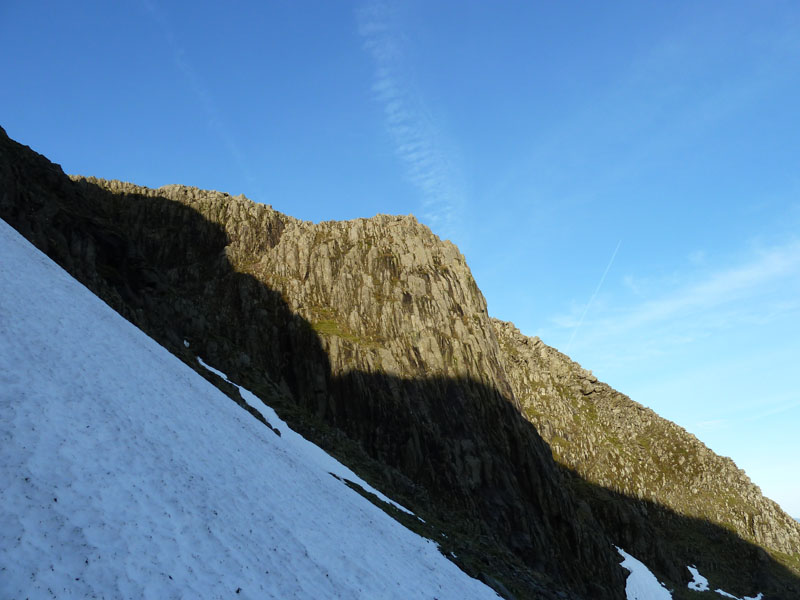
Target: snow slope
column 299, row 445
column 126, row 475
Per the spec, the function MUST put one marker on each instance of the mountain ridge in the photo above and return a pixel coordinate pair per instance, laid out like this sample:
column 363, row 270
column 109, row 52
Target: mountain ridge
column 366, row 323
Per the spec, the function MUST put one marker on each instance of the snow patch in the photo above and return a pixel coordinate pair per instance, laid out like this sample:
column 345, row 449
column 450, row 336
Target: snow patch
column 641, row 583
column 698, row 582
column 300, row 445
column 727, row 595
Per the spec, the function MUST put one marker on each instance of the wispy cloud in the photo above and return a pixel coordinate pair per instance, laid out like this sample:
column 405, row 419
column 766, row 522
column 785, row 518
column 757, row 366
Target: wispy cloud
column 761, row 413
column 775, row 408
column 201, row 92
column 724, row 287
column 711, row 424
column 761, row 289
column 766, row 407
column 418, row 140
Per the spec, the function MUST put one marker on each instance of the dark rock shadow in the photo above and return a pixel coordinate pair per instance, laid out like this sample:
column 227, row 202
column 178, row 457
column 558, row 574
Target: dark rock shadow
column 455, row 451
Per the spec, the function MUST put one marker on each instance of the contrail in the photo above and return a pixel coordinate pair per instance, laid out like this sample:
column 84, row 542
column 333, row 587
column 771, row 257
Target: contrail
column 588, row 304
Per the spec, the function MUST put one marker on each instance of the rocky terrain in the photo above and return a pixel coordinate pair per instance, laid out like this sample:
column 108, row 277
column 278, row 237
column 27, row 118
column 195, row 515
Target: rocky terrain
column 605, row 438
column 372, row 338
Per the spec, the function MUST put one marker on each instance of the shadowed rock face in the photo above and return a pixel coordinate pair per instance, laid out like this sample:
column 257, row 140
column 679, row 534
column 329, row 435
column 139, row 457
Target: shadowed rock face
column 371, row 338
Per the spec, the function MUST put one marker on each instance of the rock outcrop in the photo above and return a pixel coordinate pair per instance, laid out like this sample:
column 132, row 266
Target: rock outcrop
column 372, row 338
column 609, row 440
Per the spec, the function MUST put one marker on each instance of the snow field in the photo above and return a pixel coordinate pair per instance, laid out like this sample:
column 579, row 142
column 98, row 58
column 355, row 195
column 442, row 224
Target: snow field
column 126, row 475
column 299, row 445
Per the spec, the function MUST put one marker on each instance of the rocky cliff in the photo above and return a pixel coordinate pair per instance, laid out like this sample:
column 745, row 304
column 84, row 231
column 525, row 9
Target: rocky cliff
column 372, row 338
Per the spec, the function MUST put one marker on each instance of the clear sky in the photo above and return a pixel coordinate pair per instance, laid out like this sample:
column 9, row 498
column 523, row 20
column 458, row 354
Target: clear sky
column 623, row 178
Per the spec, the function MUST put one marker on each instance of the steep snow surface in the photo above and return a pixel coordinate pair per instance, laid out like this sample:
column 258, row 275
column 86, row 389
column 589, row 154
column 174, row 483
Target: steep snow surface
column 301, row 446
column 126, row 475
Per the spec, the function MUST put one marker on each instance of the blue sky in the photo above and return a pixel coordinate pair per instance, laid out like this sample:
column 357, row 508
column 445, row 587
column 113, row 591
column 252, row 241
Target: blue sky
column 624, row 180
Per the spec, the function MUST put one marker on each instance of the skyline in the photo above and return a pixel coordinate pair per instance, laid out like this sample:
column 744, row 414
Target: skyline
column 623, row 181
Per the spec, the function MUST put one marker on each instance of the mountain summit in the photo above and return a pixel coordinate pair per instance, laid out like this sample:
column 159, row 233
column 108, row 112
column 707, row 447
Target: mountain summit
column 371, row 338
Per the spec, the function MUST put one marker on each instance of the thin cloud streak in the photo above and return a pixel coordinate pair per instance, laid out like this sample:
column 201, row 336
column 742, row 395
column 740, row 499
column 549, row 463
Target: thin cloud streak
column 417, row 140
column 775, row 410
column 724, row 287
column 737, row 293
column 624, row 335
column 745, row 415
